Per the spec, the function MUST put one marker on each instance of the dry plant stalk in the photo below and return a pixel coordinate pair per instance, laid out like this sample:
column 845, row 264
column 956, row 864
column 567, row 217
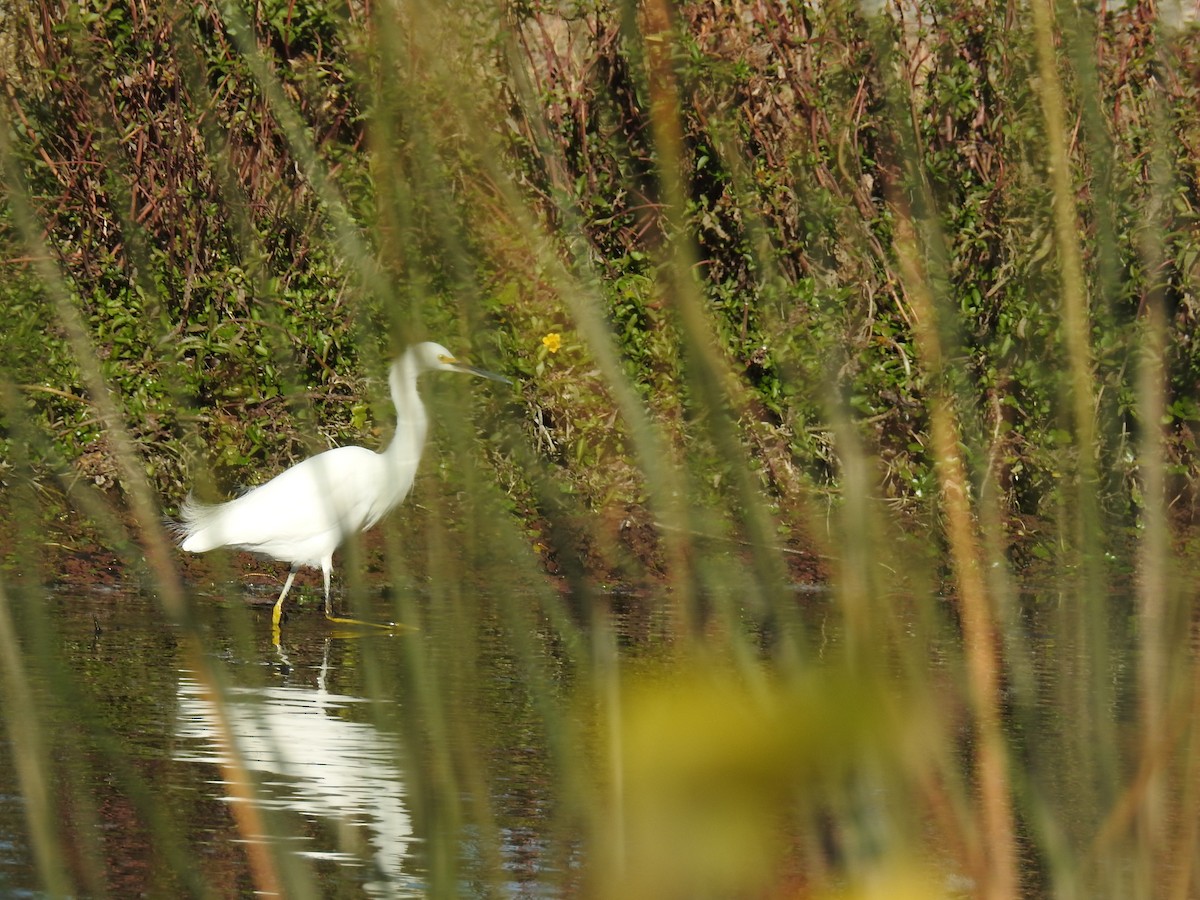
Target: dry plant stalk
column 1076, row 318
column 146, row 514
column 993, row 853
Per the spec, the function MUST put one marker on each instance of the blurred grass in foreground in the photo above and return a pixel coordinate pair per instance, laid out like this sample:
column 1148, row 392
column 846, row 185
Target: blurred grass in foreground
column 905, row 292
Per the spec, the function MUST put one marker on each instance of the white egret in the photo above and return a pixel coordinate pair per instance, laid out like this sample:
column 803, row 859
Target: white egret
column 303, row 514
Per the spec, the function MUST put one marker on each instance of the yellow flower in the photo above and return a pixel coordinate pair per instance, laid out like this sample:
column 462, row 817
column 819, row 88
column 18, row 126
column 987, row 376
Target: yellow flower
column 552, row 341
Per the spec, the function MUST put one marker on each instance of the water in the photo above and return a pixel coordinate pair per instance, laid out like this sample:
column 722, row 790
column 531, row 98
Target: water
column 362, row 762
column 313, row 760
column 144, row 778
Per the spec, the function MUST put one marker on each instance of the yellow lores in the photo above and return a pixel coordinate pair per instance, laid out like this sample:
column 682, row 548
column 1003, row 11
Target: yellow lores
column 552, row 341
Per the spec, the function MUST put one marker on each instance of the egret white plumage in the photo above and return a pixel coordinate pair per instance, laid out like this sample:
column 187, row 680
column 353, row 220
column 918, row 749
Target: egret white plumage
column 305, row 513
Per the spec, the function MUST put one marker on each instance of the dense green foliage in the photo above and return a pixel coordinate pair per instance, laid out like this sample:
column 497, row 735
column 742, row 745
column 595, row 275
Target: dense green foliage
column 252, row 206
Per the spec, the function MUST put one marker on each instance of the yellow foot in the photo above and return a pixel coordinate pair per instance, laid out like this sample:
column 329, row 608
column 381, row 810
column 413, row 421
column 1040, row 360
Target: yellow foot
column 384, row 626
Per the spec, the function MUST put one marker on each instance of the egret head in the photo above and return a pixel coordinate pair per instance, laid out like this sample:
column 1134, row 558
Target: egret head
column 430, row 356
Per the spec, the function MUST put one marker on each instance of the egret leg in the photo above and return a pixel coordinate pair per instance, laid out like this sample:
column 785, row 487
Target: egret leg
column 326, row 569
column 277, row 612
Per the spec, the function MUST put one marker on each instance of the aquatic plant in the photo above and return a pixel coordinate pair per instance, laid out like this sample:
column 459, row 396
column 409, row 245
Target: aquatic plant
column 846, row 338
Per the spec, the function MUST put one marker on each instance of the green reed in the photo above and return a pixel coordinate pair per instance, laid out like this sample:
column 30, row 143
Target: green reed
column 823, row 283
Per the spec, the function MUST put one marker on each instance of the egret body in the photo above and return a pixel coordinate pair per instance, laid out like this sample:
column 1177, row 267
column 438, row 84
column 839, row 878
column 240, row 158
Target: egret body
column 305, row 513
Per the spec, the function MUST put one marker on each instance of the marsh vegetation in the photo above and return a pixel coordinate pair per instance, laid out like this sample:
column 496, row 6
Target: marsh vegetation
column 833, row 540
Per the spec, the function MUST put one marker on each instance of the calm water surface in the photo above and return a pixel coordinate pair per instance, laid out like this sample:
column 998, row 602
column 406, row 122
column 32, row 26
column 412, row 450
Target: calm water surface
column 330, row 723
column 343, row 734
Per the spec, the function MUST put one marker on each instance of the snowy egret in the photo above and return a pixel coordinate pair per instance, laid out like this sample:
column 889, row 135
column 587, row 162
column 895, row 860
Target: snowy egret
column 303, row 514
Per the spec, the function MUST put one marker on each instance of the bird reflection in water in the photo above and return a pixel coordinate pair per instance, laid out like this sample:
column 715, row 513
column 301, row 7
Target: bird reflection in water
column 321, row 765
